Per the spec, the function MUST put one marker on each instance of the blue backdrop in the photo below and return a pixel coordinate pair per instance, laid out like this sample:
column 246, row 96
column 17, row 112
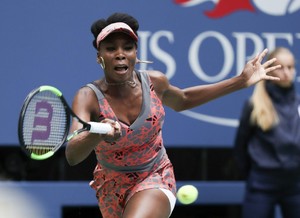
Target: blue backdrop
column 192, row 41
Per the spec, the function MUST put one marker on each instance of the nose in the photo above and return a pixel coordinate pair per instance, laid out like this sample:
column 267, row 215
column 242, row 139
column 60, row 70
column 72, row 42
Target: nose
column 120, row 54
column 287, row 70
column 288, row 73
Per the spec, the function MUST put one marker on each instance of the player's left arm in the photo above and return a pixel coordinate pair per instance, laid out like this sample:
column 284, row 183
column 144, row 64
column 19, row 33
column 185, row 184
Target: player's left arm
column 183, row 99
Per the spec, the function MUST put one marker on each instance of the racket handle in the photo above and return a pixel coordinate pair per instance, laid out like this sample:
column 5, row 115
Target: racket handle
column 101, row 128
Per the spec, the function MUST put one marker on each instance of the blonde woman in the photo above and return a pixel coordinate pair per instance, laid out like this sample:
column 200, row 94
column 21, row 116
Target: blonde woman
column 267, row 144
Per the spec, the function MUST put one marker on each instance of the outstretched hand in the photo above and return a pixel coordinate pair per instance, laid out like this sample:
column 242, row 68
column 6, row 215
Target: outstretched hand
column 255, row 71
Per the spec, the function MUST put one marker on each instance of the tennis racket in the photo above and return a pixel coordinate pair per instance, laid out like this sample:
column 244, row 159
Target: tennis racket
column 44, row 123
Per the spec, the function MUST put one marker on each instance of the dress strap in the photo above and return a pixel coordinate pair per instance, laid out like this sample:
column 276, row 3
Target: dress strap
column 98, row 93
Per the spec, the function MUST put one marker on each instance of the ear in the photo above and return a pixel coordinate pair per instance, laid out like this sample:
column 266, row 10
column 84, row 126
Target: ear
column 98, row 58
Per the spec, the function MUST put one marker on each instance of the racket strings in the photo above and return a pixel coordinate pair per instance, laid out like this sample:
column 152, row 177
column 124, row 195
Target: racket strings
column 39, row 149
column 44, row 123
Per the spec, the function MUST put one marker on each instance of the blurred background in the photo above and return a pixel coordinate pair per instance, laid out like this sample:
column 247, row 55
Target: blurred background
column 191, row 41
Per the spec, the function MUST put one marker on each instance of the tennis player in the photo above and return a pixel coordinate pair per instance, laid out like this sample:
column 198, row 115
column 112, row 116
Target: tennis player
column 134, row 177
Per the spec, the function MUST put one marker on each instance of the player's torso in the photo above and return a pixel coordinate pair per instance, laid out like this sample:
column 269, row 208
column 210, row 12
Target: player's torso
column 141, row 139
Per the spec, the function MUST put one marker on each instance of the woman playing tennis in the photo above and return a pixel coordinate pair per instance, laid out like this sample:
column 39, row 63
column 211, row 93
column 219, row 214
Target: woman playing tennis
column 134, row 177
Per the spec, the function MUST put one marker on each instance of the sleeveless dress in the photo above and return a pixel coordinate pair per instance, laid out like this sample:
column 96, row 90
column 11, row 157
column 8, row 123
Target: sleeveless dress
column 137, row 161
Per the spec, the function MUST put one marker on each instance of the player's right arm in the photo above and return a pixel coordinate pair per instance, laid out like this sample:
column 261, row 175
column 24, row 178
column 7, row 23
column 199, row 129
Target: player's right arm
column 79, row 147
column 85, row 105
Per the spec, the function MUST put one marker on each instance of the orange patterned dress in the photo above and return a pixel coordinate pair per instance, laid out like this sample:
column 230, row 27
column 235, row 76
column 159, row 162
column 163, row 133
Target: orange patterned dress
column 137, row 161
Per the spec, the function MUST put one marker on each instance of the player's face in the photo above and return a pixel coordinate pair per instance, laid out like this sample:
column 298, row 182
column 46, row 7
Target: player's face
column 119, row 53
column 287, row 71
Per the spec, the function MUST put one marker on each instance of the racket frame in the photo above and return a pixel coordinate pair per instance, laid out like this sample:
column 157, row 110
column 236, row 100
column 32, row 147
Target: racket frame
column 69, row 113
column 21, row 121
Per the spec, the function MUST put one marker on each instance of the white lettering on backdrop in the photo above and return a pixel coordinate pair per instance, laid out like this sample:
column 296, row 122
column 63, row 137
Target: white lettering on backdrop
column 233, row 48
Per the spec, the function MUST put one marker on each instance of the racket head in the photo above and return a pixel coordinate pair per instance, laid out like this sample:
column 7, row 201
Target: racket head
column 44, row 122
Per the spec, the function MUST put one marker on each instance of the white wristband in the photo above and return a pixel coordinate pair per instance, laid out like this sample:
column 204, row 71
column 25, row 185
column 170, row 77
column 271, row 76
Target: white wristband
column 101, row 128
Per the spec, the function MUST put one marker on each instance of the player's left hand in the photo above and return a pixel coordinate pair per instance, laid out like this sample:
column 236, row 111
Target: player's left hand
column 255, row 71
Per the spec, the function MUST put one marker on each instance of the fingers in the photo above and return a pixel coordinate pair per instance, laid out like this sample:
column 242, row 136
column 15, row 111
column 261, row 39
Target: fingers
column 271, row 78
column 262, row 55
column 269, row 69
column 116, row 125
column 254, row 60
column 117, row 129
column 259, row 57
column 116, row 132
column 269, row 62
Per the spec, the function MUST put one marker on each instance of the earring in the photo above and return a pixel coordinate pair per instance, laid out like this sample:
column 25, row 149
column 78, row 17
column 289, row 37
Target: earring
column 100, row 61
column 137, row 61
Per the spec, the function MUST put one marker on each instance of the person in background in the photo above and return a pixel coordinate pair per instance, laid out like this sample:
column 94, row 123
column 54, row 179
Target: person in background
column 267, row 143
column 134, row 177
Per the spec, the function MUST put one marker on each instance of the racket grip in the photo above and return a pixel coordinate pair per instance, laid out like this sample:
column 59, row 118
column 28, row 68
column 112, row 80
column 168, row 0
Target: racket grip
column 101, row 128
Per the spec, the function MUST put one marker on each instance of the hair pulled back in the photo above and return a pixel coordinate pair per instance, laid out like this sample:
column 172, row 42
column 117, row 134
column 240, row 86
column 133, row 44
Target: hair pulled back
column 98, row 25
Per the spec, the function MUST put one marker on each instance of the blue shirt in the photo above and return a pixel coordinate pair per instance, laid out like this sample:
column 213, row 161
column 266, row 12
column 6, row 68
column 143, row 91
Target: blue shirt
column 278, row 148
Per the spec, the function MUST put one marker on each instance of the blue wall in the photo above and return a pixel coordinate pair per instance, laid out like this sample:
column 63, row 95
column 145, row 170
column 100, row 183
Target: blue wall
column 49, row 42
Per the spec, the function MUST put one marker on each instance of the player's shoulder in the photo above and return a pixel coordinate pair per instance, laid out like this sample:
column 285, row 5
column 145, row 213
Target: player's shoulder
column 157, row 76
column 155, row 73
column 159, row 80
column 86, row 92
column 86, row 99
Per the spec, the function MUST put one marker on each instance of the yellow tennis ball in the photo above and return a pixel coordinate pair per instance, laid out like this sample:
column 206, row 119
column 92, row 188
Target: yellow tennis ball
column 187, row 194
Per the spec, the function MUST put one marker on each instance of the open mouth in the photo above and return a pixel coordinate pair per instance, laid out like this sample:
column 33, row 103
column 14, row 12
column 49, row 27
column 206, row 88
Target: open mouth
column 121, row 69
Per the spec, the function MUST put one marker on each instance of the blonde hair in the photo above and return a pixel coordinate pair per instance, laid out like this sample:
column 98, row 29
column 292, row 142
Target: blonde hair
column 264, row 114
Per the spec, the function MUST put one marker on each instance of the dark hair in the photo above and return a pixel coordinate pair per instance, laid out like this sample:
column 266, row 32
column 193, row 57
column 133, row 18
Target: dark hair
column 98, row 25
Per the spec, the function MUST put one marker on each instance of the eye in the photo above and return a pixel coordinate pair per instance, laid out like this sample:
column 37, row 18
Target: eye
column 110, row 48
column 291, row 67
column 128, row 47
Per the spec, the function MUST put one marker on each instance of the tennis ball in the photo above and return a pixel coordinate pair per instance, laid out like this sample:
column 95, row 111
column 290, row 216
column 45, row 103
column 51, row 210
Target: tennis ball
column 187, row 194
